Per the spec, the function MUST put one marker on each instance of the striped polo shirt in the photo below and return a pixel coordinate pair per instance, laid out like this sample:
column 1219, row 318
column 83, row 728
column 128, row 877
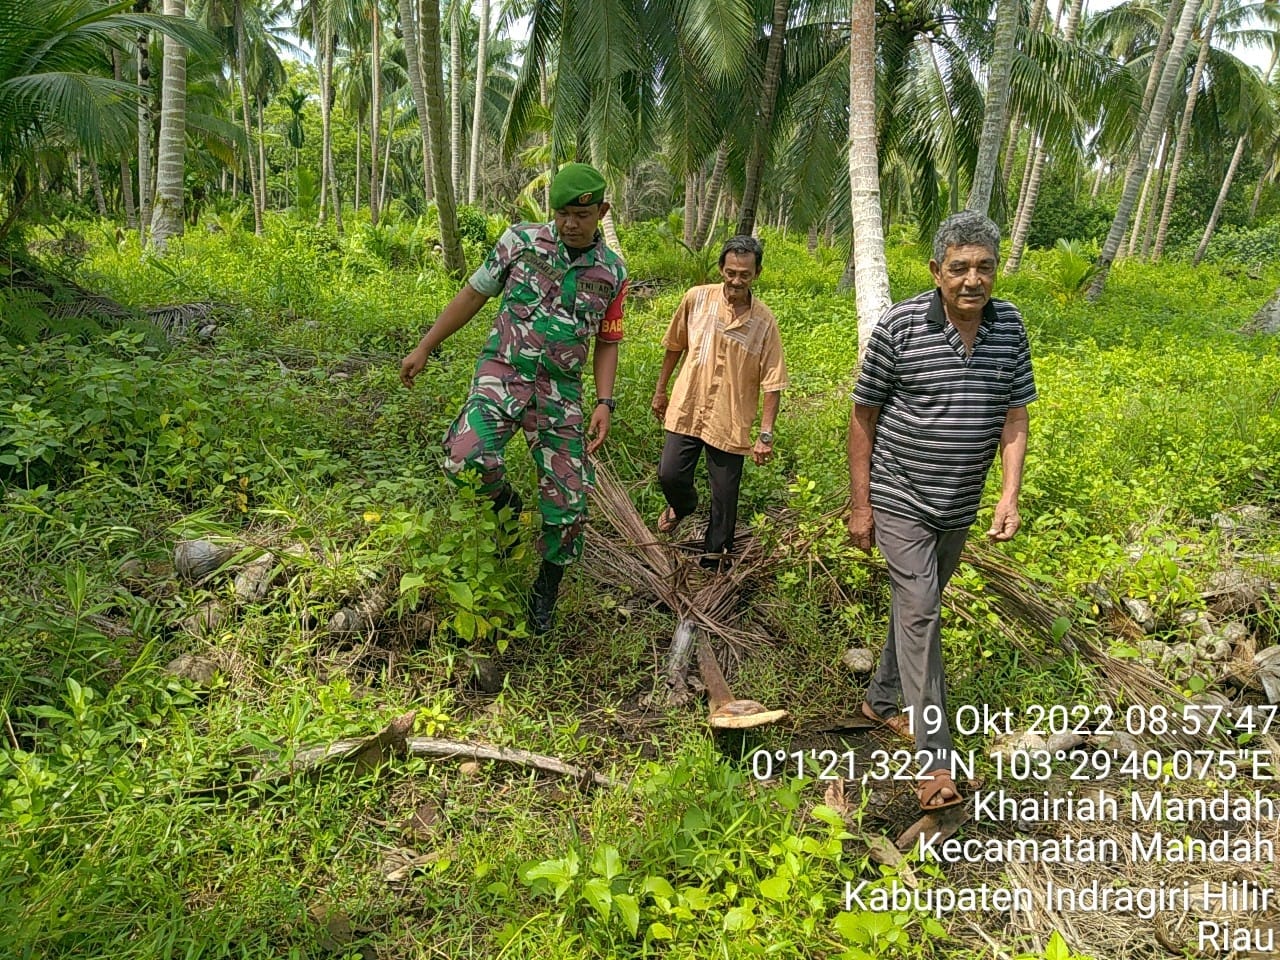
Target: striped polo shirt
column 941, row 410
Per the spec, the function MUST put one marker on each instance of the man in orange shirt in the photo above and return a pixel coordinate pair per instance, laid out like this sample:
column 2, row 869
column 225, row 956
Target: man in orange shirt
column 732, row 352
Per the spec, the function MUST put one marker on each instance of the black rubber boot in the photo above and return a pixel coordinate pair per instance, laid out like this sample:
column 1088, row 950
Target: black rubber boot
column 542, row 601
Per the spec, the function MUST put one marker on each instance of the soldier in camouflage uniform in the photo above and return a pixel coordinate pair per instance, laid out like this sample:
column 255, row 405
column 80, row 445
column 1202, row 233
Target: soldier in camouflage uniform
column 561, row 288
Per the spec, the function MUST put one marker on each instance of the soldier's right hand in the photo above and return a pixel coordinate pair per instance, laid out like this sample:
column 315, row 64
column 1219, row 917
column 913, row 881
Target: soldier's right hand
column 659, row 404
column 862, row 528
column 412, row 365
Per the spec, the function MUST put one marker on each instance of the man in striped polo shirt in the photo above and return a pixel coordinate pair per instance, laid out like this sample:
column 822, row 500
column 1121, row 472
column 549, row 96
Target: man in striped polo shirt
column 944, row 384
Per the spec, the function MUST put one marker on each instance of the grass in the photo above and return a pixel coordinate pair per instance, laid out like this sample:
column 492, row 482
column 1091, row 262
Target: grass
column 292, row 428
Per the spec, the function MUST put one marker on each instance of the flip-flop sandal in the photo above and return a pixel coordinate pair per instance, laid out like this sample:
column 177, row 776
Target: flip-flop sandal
column 898, row 724
column 668, row 522
column 930, row 790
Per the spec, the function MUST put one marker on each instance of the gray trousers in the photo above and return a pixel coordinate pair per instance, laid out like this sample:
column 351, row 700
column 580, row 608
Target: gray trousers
column 921, row 561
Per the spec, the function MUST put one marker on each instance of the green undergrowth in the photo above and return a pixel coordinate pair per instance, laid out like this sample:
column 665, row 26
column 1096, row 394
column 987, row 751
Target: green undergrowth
column 119, row 833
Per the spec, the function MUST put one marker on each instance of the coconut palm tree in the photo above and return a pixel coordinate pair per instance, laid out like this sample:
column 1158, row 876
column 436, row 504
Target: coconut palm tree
column 1188, row 113
column 145, row 194
column 375, row 106
column 1038, row 148
column 477, row 109
column 457, row 73
column 595, row 58
column 56, row 91
column 994, row 114
column 1259, row 121
column 1153, row 126
column 433, row 90
column 871, row 275
column 764, row 116
column 295, row 133
column 410, row 32
column 166, row 214
column 226, row 19
column 322, row 21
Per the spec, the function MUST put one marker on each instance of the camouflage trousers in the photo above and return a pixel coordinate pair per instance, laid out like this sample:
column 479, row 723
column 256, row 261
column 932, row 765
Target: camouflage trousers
column 554, row 431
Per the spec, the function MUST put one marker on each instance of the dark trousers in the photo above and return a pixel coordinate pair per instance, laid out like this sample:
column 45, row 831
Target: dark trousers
column 675, row 473
column 920, row 561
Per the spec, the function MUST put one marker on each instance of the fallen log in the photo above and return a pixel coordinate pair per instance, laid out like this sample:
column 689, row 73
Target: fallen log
column 369, row 753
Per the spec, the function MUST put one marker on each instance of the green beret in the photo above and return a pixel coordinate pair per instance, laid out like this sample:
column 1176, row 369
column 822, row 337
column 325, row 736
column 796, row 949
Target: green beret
column 578, row 183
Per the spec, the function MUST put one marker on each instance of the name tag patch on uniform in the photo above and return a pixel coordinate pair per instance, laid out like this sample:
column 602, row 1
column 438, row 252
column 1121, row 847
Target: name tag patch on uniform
column 544, row 270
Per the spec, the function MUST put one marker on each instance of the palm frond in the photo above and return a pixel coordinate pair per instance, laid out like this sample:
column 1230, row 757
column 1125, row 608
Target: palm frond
column 719, row 34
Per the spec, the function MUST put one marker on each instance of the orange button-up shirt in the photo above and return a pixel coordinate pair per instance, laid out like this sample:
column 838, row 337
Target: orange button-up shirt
column 728, row 362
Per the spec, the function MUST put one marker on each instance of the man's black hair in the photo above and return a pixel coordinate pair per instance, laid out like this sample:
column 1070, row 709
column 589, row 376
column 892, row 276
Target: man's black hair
column 743, row 244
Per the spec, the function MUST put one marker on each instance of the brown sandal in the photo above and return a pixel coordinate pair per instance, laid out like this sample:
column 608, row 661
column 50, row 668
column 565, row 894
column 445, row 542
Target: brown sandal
column 929, row 791
column 898, row 724
column 668, row 522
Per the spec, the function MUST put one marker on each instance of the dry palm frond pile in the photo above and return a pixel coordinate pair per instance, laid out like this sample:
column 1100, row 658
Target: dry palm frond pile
column 71, row 305
column 632, row 555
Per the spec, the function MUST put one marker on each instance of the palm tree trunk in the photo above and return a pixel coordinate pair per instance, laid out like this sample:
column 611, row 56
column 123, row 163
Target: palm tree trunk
column 1136, row 227
column 711, row 197
column 1097, row 180
column 1153, row 128
column 327, row 152
column 375, row 108
column 126, row 175
column 1184, row 129
column 262, row 161
column 242, row 75
column 1257, row 196
column 1154, row 75
column 1015, row 127
column 126, row 193
column 544, row 100
column 607, row 225
column 867, row 267
column 386, row 157
column 433, row 84
column 1160, row 170
column 455, row 98
column 1033, row 144
column 1026, row 210
column 690, row 208
column 994, row 115
column 477, row 107
column 1221, row 201
column 1262, row 180
column 95, row 178
column 413, row 58
column 318, row 30
column 166, row 217
column 144, row 131
column 764, row 118
column 355, row 205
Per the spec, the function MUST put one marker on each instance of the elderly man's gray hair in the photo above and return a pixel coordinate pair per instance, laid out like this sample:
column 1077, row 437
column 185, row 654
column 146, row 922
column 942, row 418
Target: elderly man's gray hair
column 743, row 243
column 965, row 228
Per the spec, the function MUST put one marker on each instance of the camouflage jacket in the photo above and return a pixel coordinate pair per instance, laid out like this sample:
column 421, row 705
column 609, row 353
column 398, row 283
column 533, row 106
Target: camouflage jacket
column 551, row 307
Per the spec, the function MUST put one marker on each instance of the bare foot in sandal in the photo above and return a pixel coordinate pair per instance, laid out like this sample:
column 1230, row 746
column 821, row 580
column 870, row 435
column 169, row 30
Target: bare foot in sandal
column 668, row 522
column 937, row 791
column 898, row 724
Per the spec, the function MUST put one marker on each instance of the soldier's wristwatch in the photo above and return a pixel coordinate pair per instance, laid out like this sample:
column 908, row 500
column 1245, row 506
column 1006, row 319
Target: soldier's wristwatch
column 608, row 402
column 766, row 437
